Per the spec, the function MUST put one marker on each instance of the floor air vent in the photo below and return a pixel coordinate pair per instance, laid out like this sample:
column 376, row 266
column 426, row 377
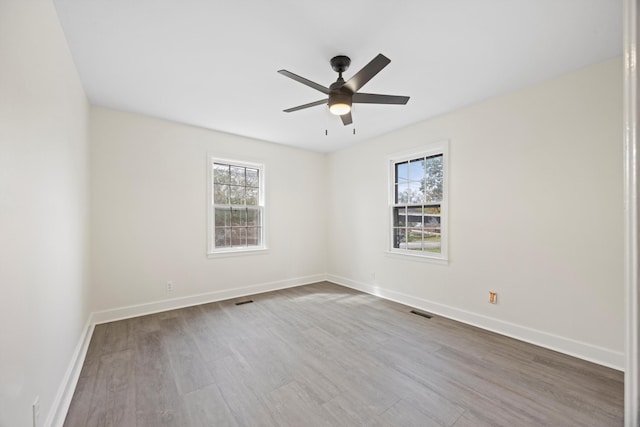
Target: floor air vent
column 244, row 302
column 419, row 313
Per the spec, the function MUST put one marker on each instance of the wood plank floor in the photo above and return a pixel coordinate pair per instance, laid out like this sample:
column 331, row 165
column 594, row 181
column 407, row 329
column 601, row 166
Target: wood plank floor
column 325, row 355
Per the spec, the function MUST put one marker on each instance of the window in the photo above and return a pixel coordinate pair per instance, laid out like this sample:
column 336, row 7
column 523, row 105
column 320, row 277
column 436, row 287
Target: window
column 236, row 206
column 418, row 203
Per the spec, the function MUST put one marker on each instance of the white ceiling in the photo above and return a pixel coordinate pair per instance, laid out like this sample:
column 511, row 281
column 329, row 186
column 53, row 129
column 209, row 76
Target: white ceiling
column 214, row 63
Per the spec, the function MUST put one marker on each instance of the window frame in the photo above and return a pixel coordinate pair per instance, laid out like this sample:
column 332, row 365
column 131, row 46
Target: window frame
column 433, row 149
column 212, row 251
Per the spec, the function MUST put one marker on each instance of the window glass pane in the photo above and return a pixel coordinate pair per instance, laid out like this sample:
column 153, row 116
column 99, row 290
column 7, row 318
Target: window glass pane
column 253, row 217
column 399, row 217
column 414, row 239
column 433, row 178
column 236, row 195
column 220, row 194
column 432, row 210
column 223, row 217
column 402, row 192
column 238, row 218
column 432, row 243
column 414, row 217
column 237, row 175
column 431, row 222
column 432, row 235
column 238, row 236
column 253, row 236
column 399, row 238
column 415, row 192
column 252, row 178
column 416, row 170
column 222, row 237
column 251, row 196
column 220, row 173
column 402, row 172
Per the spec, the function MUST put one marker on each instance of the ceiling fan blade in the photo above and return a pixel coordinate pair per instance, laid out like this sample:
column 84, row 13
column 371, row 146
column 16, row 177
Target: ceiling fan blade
column 311, row 104
column 304, row 81
column 367, row 72
column 374, row 98
column 346, row 119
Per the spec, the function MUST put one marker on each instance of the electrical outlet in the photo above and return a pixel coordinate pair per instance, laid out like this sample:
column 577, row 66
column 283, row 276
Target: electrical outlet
column 493, row 297
column 169, row 286
column 35, row 408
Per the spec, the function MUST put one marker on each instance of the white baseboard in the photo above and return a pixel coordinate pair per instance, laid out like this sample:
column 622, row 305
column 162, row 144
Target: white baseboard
column 127, row 312
column 61, row 402
column 581, row 350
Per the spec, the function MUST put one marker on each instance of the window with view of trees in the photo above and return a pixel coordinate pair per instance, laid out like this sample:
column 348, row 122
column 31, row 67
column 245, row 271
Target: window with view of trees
column 418, row 197
column 236, row 206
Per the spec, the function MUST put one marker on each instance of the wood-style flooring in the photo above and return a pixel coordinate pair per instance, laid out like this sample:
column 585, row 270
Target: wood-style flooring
column 325, row 355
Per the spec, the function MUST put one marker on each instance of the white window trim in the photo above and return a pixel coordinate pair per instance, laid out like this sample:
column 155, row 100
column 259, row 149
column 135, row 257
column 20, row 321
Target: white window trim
column 212, row 252
column 439, row 147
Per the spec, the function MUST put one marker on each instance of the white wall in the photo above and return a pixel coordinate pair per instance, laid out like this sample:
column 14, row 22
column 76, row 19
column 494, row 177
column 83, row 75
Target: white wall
column 149, row 212
column 43, row 209
column 535, row 214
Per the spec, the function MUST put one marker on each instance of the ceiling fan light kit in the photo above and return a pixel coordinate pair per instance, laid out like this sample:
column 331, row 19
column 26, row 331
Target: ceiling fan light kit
column 339, row 104
column 341, row 94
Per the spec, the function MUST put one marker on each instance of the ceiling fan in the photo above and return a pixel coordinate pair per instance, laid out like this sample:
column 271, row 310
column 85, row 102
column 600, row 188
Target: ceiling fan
column 343, row 94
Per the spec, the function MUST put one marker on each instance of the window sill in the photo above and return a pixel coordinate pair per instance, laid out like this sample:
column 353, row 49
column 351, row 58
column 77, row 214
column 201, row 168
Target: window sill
column 238, row 252
column 420, row 258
